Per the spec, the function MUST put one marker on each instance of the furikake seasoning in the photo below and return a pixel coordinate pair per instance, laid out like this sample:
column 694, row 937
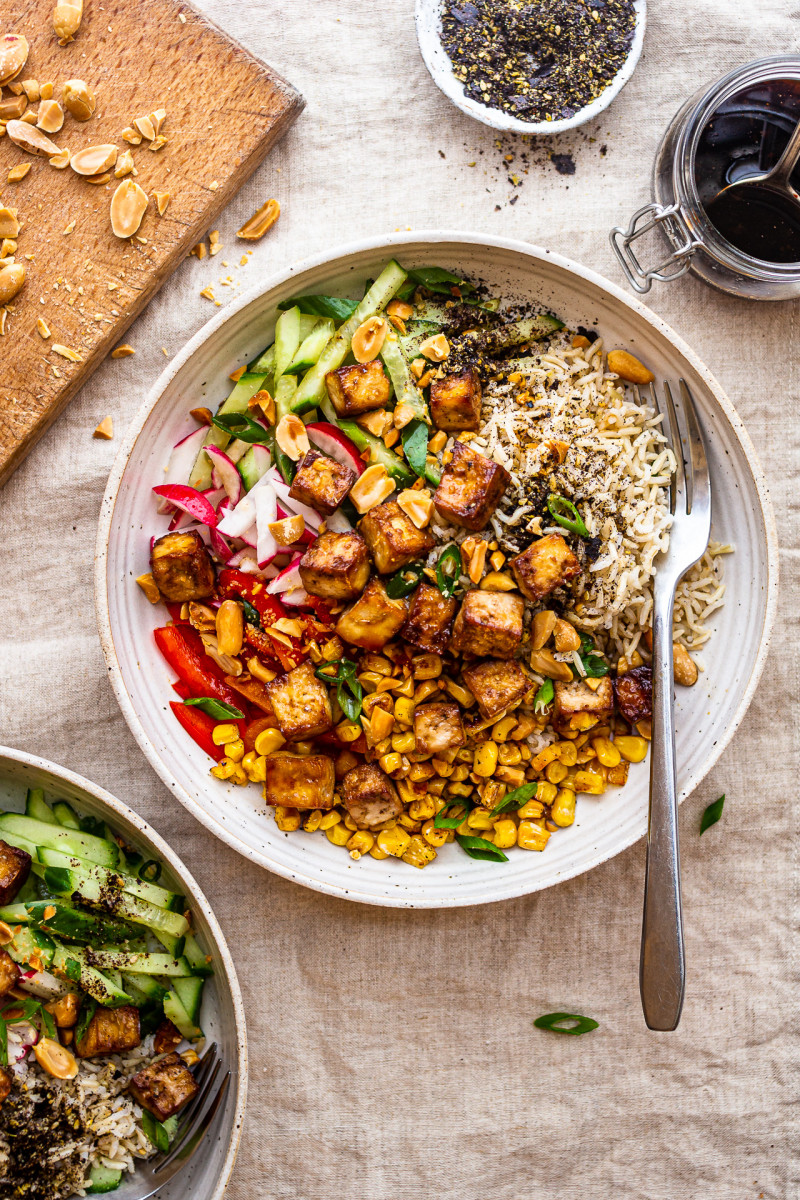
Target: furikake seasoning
column 541, row 60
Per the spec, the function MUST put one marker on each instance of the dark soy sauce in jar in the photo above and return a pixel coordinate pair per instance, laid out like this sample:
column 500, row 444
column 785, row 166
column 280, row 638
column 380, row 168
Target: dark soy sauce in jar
column 746, row 136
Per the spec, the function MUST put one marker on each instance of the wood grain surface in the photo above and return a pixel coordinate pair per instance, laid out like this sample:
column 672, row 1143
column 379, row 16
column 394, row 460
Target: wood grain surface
column 225, row 109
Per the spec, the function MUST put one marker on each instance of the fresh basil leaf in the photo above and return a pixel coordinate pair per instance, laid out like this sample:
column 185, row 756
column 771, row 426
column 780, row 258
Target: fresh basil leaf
column 544, row 697
column 155, row 1132
column 440, row 821
column 414, row 437
column 171, row 1127
column 88, row 1009
column 404, row 581
column 217, row 709
column 48, row 1024
column 448, row 570
column 712, row 814
column 240, row 426
column 436, row 279
column 72, row 970
column 478, row 847
column 554, row 1022
column 94, row 826
column 251, row 614
column 594, row 666
column 515, row 799
column 350, row 695
column 322, row 306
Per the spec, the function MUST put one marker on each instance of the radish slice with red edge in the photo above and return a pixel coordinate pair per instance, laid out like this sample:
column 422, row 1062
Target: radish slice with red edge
column 225, row 474
column 288, row 580
column 313, row 519
column 266, row 512
column 189, row 500
column 295, row 598
column 337, row 522
column 182, row 459
column 220, row 546
column 336, row 445
column 239, row 519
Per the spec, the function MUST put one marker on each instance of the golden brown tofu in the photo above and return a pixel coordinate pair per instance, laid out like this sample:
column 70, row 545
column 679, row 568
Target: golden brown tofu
column 576, row 705
column 9, row 973
column 370, row 797
column 336, row 566
column 299, row 781
column 358, row 388
column 5, row 1083
column 301, row 704
column 321, row 482
column 489, row 623
column 373, row 620
column 471, row 488
column 437, row 728
column 110, row 1031
column 497, row 686
column 164, row 1087
column 15, row 867
column 167, row 1037
column 544, row 566
column 182, row 567
column 456, row 401
column 430, row 617
column 392, row 537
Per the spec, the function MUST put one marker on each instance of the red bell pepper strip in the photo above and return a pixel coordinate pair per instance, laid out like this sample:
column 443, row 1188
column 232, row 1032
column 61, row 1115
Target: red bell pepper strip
column 199, row 726
column 253, row 728
column 183, row 650
column 182, row 690
column 174, row 611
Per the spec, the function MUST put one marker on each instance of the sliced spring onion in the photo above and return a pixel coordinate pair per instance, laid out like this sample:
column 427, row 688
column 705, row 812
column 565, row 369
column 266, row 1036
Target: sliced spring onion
column 565, row 513
column 155, row 1131
column 404, row 581
column 712, row 814
column 478, row 847
column 448, row 570
column 150, row 871
column 217, row 709
column 515, row 799
column 544, row 697
column 240, row 425
column 437, row 279
column 555, row 1023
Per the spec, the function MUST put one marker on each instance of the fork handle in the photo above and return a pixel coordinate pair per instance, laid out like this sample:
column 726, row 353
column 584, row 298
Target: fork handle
column 661, row 965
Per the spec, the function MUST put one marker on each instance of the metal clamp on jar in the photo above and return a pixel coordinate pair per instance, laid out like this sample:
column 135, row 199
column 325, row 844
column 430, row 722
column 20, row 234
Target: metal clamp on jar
column 743, row 239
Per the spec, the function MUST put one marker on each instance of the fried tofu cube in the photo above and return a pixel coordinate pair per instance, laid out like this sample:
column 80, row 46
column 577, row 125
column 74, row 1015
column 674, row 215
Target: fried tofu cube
column 164, row 1087
column 369, row 796
column 489, row 623
column 497, row 686
column 578, row 699
column 299, row 780
column 15, row 867
column 430, row 617
column 437, row 728
column 373, row 620
column 544, row 566
column 110, row 1031
column 336, row 566
column 456, row 401
column 358, row 388
column 9, row 973
column 182, row 567
column 393, row 539
column 471, row 488
column 321, row 482
column 301, row 703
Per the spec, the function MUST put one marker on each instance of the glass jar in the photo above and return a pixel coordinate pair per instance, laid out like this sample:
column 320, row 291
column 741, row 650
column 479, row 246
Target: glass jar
column 686, row 175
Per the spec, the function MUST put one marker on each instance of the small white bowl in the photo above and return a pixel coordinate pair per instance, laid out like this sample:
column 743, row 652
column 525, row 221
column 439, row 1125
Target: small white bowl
column 436, row 59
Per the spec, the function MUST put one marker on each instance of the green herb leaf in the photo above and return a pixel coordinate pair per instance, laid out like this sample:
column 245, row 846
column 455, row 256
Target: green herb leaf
column 515, row 799
column 3, row 1044
column 436, row 279
column 217, row 709
column 322, row 306
column 72, row 970
column 478, row 847
column 88, row 1009
column 240, row 426
column 448, row 570
column 414, row 437
column 544, row 697
column 404, row 581
column 287, row 468
column 48, row 1024
column 712, row 814
column 565, row 513
column 594, row 666
column 251, row 614
column 349, row 692
column 554, row 1022
column 155, row 1132
column 150, row 871
column 440, row 821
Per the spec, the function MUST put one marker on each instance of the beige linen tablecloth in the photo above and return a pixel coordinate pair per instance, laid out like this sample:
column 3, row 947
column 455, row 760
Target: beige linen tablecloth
column 392, row 1052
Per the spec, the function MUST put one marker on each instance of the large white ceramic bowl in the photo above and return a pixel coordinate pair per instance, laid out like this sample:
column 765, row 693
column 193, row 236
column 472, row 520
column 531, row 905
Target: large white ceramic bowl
column 208, row 1172
column 435, row 57
column 706, row 714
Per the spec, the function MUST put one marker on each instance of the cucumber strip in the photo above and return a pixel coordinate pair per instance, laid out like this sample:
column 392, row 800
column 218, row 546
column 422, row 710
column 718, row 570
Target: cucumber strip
column 103, row 1179
column 55, row 837
column 15, row 914
column 141, row 963
column 287, row 339
column 175, row 1012
column 197, row 958
column 20, row 843
column 37, row 807
column 405, row 389
column 378, row 452
column 72, row 962
column 144, row 987
column 172, row 944
column 243, row 392
column 161, row 897
column 65, row 921
column 31, row 946
column 311, row 348
column 505, row 337
column 190, row 993
column 264, row 364
column 65, row 815
column 284, row 396
column 64, row 882
column 253, row 466
column 312, row 387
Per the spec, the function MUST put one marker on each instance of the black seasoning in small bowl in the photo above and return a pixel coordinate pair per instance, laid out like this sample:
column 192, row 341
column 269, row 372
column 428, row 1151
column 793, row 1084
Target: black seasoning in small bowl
column 537, row 60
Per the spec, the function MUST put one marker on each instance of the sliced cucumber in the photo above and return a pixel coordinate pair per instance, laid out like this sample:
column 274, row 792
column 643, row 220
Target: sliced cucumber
column 285, row 393
column 379, row 453
column 175, row 1012
column 405, row 389
column 200, row 961
column 55, row 837
column 72, row 962
column 172, row 944
column 253, row 466
column 312, row 387
column 264, row 364
column 103, row 1179
column 37, row 807
column 517, row 333
column 20, row 843
column 145, row 987
column 287, row 339
column 311, row 347
column 190, row 993
column 65, row 815
column 243, row 392
column 32, row 947
column 143, row 963
column 64, row 882
column 161, row 897
column 64, row 920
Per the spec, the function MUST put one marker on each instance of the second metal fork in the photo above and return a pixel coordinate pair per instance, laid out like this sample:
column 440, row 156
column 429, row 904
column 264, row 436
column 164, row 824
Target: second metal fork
column 662, row 963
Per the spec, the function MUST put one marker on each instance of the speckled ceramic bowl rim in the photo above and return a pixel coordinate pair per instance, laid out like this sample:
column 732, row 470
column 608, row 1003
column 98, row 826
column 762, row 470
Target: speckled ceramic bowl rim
column 441, row 72
column 392, row 243
column 199, row 900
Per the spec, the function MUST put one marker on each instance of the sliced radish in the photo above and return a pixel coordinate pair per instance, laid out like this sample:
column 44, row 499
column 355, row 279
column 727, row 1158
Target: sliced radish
column 240, row 518
column 225, row 474
column 182, row 459
column 220, row 546
column 266, row 511
column 288, row 580
column 180, row 495
column 336, row 445
column 43, row 984
column 337, row 522
column 294, row 507
column 245, row 560
column 296, row 598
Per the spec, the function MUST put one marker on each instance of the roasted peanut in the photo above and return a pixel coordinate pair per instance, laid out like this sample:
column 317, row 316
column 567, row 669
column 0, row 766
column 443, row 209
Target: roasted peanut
column 627, row 367
column 684, row 669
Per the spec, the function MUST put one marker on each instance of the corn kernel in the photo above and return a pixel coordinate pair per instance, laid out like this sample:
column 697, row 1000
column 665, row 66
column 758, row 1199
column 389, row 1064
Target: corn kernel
column 433, row 836
column 525, row 752
column 422, row 809
column 239, row 777
column 485, row 759
column 509, row 754
column 492, row 793
column 556, row 772
column 377, row 662
column 381, row 724
column 338, row 834
column 403, row 742
column 632, row 749
column 311, row 823
column 287, row 819
column 442, row 768
column 409, row 823
column 546, row 792
column 531, row 837
column 502, row 730
column 546, row 756
column 459, row 789
column 460, row 773
column 525, row 727
column 235, row 750
column 383, row 747
column 426, row 689
column 532, row 808
column 513, row 775
column 330, row 819
column 618, row 776
column 563, row 807
column 249, row 766
column 405, row 688
column 426, row 666
column 479, row 818
column 394, row 841
column 460, row 694
column 222, row 734
column 587, row 781
column 419, row 772
column 348, row 731
column 376, row 852
column 224, row 769
column 268, row 741
column 362, row 842
column 436, row 786
column 404, row 710
column 568, row 753
column 505, row 833
column 419, row 852
column 349, row 823
column 607, row 753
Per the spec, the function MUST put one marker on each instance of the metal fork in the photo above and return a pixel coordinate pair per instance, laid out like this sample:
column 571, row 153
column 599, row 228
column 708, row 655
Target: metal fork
column 195, row 1119
column 661, row 964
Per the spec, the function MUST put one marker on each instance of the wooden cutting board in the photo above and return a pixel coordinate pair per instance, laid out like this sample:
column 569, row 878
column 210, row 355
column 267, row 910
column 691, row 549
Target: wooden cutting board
column 225, row 109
